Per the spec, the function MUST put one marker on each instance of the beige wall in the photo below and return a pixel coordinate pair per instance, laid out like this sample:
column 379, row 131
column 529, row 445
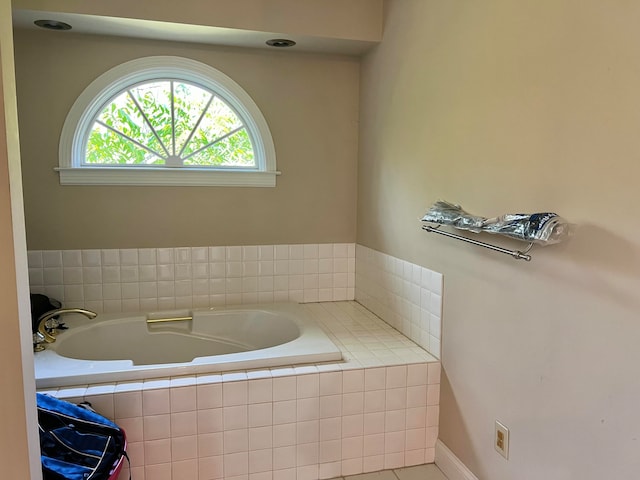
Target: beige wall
column 17, row 386
column 507, row 106
column 309, row 101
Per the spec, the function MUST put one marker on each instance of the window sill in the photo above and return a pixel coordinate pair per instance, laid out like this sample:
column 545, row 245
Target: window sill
column 165, row 177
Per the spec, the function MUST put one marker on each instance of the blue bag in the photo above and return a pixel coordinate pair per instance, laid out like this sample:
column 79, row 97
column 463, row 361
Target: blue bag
column 77, row 443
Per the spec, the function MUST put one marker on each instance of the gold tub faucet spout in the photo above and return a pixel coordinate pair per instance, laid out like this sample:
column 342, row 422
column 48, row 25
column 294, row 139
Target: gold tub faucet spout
column 48, row 331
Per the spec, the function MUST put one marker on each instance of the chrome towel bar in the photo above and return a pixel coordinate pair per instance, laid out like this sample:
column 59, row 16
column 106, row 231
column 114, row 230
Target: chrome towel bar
column 517, row 254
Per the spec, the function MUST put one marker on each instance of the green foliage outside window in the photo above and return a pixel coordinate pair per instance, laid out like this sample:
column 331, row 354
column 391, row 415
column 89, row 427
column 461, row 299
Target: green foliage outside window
column 169, row 122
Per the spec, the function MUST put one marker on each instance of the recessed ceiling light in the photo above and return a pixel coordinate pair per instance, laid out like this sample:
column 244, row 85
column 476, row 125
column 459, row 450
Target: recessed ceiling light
column 280, row 42
column 52, row 25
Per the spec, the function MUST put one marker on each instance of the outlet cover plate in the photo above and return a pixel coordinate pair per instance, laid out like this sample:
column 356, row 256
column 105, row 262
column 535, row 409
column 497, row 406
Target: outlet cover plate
column 501, row 440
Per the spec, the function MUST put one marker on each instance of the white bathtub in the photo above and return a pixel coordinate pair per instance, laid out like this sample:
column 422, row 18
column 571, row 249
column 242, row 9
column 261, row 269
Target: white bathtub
column 119, row 347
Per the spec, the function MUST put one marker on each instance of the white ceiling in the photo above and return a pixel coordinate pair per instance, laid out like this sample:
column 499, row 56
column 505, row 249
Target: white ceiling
column 126, row 27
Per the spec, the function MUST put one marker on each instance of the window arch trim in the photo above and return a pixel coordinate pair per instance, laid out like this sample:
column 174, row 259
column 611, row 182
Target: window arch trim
column 80, row 119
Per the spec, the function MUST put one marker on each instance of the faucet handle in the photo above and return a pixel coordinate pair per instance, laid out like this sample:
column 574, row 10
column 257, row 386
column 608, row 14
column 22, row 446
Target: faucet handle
column 38, row 342
column 54, row 324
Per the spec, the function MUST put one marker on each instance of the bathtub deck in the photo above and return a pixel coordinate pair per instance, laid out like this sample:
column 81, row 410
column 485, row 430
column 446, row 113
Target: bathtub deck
column 364, row 339
column 377, row 409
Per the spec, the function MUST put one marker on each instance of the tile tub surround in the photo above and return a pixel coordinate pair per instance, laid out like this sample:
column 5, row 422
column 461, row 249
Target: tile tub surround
column 405, row 295
column 149, row 279
column 378, row 409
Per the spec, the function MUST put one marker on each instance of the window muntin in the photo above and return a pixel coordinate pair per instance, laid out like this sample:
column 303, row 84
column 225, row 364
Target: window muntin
column 169, row 122
column 152, row 120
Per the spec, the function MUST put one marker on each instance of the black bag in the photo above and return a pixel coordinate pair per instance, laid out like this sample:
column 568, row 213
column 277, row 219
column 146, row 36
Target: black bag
column 41, row 304
column 77, row 443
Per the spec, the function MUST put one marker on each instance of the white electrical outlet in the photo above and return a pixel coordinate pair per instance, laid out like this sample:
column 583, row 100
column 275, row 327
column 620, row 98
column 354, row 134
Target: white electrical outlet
column 501, row 440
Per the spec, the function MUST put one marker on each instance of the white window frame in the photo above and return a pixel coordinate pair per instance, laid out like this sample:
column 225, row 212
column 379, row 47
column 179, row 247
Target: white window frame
column 79, row 123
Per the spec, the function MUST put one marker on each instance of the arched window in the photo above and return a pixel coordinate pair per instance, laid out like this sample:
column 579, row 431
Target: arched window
column 166, row 121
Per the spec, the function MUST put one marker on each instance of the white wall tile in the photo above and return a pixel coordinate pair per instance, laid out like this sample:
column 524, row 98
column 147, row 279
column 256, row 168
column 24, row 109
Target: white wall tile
column 210, row 421
column 111, row 291
column 147, row 273
column 217, row 270
column 147, row 256
column 261, row 438
column 330, row 383
column 284, row 411
column 260, row 415
column 157, row 452
column 72, row 258
column 128, row 404
column 130, row 304
column 129, row 257
column 199, row 255
column 352, row 448
column 260, row 461
column 73, row 295
column 235, row 441
column 330, row 470
column 183, row 399
column 307, row 409
column 296, row 267
column 157, row 426
column 72, row 275
column 110, row 257
column 260, row 391
column 233, row 254
column 111, row 274
column 183, row 288
column 36, row 279
column 310, row 265
column 341, row 250
column 330, row 451
column 281, row 252
column 233, row 270
column 284, row 434
column 236, row 464
column 389, row 287
column 308, row 431
column 284, row 457
column 325, row 250
column 182, row 255
column 296, row 252
column 416, row 417
column 217, row 254
column 234, row 393
column 52, row 258
column 34, row 259
column 307, row 454
column 325, row 265
column 129, row 273
column 330, row 428
column 52, row 276
column 92, row 292
column 183, row 271
column 235, row 417
column 250, row 253
column 92, row 275
column 166, row 272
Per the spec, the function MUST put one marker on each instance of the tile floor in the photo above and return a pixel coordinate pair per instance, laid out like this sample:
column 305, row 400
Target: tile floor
column 420, row 472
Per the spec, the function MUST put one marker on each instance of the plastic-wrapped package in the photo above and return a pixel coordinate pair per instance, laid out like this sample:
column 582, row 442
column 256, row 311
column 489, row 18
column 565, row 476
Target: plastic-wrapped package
column 446, row 213
column 541, row 228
